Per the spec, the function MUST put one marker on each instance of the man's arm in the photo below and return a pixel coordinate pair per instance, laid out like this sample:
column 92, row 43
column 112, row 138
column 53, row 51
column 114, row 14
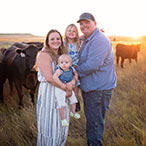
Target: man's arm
column 95, row 59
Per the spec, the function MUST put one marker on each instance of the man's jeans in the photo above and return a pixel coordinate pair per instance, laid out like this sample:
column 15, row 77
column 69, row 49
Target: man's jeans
column 96, row 103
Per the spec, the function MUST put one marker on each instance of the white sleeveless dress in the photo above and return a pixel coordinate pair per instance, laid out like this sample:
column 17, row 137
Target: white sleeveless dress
column 50, row 130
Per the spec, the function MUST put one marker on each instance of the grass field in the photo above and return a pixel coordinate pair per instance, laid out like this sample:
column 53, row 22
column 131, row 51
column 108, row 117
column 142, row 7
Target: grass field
column 125, row 123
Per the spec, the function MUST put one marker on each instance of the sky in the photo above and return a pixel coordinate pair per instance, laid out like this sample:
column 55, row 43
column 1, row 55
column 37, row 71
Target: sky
column 116, row 17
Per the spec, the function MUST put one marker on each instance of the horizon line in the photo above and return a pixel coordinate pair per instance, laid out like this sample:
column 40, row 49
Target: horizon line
column 44, row 35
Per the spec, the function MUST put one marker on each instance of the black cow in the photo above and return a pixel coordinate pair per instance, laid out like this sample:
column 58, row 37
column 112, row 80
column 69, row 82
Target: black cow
column 2, row 50
column 23, row 45
column 39, row 45
column 126, row 52
column 18, row 68
column 2, row 71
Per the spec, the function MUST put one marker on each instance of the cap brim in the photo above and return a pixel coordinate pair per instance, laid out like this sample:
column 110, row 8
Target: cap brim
column 83, row 19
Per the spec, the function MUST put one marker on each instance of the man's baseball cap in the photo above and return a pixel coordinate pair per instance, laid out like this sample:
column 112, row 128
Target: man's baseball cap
column 86, row 16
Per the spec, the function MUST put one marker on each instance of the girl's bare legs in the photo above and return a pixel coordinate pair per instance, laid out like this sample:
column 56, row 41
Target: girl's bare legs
column 76, row 91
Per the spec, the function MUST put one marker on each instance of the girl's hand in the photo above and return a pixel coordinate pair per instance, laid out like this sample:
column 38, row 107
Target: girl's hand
column 69, row 86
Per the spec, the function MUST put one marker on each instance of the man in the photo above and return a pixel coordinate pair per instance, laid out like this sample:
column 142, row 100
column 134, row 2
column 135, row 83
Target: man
column 96, row 71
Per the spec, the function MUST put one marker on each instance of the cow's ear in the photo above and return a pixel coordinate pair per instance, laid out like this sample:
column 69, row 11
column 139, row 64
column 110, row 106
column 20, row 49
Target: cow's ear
column 19, row 51
column 22, row 54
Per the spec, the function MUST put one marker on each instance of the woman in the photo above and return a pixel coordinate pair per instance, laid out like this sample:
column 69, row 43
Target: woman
column 50, row 130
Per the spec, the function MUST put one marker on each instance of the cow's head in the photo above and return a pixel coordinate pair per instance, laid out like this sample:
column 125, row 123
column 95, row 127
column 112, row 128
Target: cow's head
column 138, row 47
column 29, row 54
column 39, row 45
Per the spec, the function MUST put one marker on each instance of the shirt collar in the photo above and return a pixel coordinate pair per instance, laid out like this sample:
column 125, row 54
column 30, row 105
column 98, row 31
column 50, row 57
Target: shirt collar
column 91, row 36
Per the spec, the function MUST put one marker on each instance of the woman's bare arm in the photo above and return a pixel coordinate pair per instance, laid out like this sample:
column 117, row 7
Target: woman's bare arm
column 44, row 61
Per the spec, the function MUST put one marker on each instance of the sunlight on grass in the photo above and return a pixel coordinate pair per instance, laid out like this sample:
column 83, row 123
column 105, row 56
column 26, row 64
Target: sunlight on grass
column 125, row 123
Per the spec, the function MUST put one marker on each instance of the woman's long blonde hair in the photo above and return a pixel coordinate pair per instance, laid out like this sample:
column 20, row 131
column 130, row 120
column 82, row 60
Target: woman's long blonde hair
column 77, row 39
column 62, row 49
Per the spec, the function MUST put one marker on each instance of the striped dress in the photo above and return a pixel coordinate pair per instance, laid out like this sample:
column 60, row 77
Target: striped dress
column 50, row 130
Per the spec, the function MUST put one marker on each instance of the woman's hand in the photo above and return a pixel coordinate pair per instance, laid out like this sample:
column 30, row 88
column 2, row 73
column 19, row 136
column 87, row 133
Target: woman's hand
column 63, row 86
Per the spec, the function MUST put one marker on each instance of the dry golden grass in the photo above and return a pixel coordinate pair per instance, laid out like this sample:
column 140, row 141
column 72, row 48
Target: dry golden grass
column 125, row 123
column 20, row 38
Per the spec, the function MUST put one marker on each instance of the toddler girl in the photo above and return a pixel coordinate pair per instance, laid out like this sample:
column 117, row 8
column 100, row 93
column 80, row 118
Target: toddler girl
column 72, row 43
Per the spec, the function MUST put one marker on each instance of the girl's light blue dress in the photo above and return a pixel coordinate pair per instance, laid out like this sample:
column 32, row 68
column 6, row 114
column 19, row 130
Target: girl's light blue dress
column 73, row 52
column 50, row 130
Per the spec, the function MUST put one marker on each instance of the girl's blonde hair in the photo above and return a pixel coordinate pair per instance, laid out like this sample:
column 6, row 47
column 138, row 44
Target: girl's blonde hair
column 77, row 39
column 62, row 49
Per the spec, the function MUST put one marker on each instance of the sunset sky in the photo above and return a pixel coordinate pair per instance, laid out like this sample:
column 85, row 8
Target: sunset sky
column 116, row 17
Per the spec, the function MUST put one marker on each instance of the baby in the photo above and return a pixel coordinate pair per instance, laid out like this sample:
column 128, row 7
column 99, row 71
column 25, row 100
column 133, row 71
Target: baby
column 63, row 76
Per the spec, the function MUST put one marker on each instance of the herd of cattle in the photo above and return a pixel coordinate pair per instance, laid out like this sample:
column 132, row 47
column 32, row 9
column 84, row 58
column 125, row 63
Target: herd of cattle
column 17, row 65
